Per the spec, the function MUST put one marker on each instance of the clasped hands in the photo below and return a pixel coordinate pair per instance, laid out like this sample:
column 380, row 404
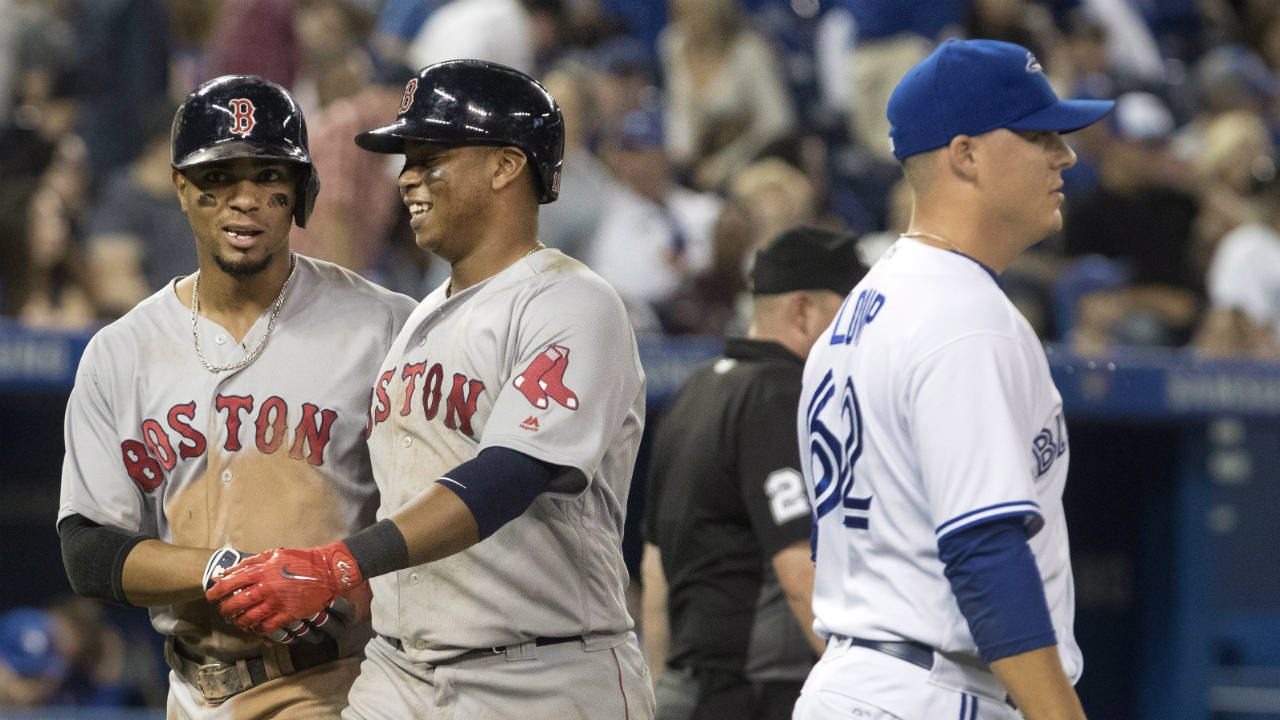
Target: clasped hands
column 286, row 594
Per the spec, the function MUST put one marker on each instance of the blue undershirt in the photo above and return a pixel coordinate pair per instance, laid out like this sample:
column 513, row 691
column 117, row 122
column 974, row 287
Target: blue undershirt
column 997, row 584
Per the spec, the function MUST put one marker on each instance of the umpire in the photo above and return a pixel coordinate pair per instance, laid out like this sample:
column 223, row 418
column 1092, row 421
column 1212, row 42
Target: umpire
column 728, row 578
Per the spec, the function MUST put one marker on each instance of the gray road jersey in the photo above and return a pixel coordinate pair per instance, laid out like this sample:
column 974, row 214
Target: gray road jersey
column 271, row 455
column 539, row 358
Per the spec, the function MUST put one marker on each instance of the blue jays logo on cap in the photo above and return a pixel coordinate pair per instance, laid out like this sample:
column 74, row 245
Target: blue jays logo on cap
column 971, row 87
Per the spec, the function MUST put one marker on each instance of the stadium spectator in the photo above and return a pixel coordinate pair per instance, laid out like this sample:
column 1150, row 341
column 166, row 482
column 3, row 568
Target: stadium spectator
column 123, row 50
column 255, row 37
column 332, row 40
column 726, row 97
column 32, row 667
column 713, row 301
column 519, row 33
column 571, row 222
column 779, row 196
column 52, row 292
column 95, row 652
column 653, row 232
column 1138, row 217
column 130, row 247
column 1235, row 157
column 1243, row 319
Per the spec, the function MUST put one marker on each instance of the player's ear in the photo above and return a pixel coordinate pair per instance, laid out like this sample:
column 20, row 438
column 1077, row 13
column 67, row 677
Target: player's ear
column 798, row 308
column 962, row 157
column 180, row 183
column 508, row 162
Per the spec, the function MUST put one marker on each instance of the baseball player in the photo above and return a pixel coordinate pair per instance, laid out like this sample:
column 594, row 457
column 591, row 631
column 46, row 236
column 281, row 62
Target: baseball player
column 505, row 425
column 226, row 414
column 935, row 451
column 725, row 512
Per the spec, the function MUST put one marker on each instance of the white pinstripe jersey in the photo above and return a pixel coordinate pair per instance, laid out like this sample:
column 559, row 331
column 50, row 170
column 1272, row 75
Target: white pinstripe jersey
column 928, row 407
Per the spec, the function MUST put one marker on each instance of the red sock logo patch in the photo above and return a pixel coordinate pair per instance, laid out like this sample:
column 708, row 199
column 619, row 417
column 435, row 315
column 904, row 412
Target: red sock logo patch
column 544, row 378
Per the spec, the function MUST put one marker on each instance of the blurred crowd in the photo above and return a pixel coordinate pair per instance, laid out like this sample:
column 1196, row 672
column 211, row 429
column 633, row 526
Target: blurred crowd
column 696, row 131
column 73, row 654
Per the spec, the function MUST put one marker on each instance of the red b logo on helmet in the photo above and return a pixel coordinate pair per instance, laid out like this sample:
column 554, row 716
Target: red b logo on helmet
column 409, row 89
column 242, row 121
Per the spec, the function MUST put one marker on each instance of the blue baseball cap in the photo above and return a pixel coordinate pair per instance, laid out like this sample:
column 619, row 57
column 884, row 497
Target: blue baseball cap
column 971, row 87
column 641, row 130
column 27, row 643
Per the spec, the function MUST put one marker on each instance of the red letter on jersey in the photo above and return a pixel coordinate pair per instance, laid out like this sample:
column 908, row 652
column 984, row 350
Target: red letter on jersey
column 141, row 467
column 196, row 447
column 384, row 402
column 276, row 423
column 460, row 408
column 234, row 405
column 315, row 437
column 431, row 391
column 411, row 373
column 158, row 443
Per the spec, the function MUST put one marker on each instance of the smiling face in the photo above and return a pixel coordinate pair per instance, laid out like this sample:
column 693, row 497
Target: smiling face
column 240, row 210
column 446, row 190
column 1023, row 179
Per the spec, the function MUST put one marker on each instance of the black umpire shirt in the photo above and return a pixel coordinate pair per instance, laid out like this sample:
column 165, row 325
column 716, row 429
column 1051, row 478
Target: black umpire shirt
column 725, row 494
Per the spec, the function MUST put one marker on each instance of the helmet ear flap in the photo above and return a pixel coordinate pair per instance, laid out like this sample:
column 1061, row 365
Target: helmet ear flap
column 305, row 200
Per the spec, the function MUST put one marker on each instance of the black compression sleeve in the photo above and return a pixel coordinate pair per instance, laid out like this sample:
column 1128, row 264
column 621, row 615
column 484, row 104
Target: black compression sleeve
column 94, row 556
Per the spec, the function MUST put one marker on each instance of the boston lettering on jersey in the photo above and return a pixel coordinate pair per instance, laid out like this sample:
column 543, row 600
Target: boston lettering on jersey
column 459, row 404
column 158, row 452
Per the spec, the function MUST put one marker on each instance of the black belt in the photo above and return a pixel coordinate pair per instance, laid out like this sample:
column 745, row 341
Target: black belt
column 219, row 680
column 913, row 652
column 486, row 652
column 916, row 653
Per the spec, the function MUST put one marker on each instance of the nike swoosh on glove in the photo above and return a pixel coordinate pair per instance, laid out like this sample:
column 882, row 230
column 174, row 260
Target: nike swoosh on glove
column 277, row 588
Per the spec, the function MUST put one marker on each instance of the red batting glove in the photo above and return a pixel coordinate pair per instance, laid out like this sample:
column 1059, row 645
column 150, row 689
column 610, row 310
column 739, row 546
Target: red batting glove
column 272, row 589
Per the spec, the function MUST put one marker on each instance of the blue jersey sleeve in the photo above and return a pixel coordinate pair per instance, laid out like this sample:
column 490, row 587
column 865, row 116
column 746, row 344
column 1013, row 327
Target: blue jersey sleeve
column 997, row 585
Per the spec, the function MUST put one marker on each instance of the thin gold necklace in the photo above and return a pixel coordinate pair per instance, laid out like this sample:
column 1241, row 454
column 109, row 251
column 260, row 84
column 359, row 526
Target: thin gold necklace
column 920, row 234
column 271, row 323
column 448, row 292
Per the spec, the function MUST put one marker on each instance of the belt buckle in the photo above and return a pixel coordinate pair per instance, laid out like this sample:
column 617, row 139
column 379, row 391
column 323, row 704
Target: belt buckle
column 211, row 684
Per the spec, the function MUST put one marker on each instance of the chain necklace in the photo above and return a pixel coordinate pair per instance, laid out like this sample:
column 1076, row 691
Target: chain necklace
column 922, row 235
column 271, row 323
column 948, row 245
column 539, row 246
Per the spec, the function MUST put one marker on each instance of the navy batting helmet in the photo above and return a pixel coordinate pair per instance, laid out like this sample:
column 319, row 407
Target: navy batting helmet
column 237, row 116
column 475, row 102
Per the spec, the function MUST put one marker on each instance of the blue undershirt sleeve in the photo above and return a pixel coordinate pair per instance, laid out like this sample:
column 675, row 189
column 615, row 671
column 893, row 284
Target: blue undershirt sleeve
column 498, row 485
column 997, row 585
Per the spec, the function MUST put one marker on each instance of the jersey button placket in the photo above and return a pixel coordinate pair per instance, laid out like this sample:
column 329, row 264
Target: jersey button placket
column 406, row 441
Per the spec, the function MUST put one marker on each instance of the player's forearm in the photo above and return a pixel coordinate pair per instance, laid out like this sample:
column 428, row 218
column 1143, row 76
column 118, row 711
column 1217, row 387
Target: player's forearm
column 795, row 574
column 158, row 573
column 436, row 525
column 1036, row 682
column 657, row 631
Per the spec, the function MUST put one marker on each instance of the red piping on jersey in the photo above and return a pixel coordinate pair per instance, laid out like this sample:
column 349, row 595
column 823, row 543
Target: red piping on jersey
column 626, row 712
